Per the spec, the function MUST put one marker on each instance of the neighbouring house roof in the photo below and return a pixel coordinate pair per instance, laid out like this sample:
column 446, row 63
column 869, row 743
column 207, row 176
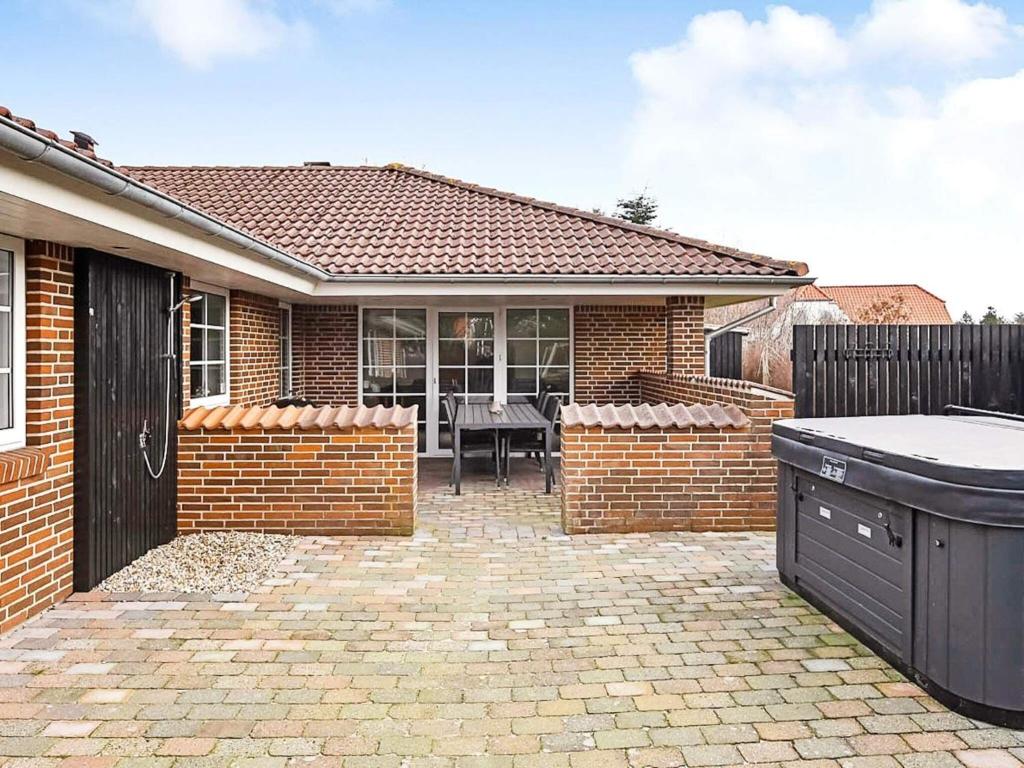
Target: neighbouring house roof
column 309, row 417
column 649, row 416
column 398, row 220
column 921, row 307
column 810, row 293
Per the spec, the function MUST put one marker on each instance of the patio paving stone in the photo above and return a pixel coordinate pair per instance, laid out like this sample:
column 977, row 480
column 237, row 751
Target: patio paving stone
column 487, row 640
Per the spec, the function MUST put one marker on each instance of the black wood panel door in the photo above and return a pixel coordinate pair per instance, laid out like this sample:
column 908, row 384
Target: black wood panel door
column 121, row 380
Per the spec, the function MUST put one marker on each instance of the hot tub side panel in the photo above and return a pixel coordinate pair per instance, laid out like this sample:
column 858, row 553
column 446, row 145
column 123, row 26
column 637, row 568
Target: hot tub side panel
column 969, row 610
column 851, row 550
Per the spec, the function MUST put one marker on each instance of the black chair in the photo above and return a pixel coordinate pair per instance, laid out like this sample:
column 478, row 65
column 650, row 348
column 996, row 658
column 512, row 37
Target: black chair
column 446, row 439
column 531, row 441
column 540, row 402
column 474, row 442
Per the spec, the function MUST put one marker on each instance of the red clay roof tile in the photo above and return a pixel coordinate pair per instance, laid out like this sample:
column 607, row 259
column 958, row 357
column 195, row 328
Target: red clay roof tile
column 397, row 220
column 648, row 416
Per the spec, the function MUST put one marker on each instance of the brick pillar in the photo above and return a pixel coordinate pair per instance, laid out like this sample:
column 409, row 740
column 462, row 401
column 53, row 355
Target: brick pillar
column 37, row 489
column 684, row 333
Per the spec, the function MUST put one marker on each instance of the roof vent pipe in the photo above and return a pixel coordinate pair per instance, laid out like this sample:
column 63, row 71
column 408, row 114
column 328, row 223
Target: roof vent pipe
column 709, row 337
column 84, row 140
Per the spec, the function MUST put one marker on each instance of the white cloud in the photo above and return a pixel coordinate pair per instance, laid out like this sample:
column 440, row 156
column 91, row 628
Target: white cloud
column 788, row 137
column 935, row 30
column 201, row 31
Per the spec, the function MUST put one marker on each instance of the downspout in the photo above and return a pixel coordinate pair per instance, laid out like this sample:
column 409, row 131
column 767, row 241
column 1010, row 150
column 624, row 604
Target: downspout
column 732, row 325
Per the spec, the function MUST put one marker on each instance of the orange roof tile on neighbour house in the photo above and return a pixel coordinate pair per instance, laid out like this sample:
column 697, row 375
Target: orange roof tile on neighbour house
column 292, row 417
column 810, row 293
column 648, row 416
column 397, row 220
column 919, row 306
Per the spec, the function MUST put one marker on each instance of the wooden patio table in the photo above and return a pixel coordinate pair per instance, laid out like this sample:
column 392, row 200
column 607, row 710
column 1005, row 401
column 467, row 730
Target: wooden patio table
column 478, row 416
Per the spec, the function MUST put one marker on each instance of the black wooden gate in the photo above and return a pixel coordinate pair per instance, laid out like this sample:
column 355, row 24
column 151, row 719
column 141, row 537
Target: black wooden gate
column 868, row 370
column 726, row 355
column 120, row 384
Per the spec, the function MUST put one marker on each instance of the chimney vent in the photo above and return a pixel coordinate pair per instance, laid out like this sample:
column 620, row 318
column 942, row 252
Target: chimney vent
column 84, row 140
column 317, row 163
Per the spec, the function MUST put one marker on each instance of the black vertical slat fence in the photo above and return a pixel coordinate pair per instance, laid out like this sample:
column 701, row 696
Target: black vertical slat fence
column 120, row 383
column 726, row 356
column 868, row 370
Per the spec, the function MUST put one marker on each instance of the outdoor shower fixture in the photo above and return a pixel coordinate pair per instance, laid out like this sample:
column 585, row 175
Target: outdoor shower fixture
column 170, row 358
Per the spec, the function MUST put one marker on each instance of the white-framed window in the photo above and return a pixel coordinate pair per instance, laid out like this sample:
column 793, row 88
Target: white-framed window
column 539, row 343
column 209, row 366
column 285, row 349
column 393, row 353
column 12, row 343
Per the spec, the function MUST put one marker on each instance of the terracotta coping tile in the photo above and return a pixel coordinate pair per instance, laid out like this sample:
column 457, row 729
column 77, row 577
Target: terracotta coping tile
column 647, row 416
column 292, row 417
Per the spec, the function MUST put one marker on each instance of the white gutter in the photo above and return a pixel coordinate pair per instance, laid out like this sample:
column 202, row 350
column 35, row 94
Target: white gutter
column 34, row 148
column 732, row 325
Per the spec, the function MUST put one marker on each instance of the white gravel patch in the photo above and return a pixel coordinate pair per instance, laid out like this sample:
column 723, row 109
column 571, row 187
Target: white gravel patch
column 204, row 563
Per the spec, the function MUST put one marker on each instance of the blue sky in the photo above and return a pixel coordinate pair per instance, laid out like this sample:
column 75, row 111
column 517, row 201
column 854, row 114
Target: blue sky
column 742, row 140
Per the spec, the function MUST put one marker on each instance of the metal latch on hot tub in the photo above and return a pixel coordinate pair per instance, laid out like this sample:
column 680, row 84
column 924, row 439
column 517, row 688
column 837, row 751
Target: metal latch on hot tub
column 895, row 539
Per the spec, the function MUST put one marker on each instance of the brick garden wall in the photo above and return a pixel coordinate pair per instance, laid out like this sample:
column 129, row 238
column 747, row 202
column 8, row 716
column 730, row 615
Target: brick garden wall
column 36, row 483
column 613, row 342
column 335, row 481
column 255, row 349
column 325, row 353
column 625, row 480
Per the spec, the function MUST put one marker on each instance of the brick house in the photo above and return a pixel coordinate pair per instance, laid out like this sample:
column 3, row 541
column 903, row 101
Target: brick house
column 368, row 290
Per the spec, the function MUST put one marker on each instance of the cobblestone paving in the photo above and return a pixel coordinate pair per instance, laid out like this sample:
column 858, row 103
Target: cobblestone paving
column 488, row 639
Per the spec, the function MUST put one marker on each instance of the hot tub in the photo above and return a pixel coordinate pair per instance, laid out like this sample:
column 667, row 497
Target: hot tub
column 909, row 532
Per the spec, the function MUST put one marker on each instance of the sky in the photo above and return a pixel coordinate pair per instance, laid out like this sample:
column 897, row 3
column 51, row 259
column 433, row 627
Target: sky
column 879, row 141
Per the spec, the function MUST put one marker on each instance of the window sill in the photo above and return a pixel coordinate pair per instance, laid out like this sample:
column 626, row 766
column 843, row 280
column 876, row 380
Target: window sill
column 21, row 463
column 209, row 402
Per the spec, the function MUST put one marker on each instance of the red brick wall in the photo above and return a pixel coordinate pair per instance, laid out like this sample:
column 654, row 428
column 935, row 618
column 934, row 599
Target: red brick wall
column 613, row 342
column 684, row 321
column 37, row 495
column 325, row 353
column 329, row 482
column 255, row 349
column 623, row 480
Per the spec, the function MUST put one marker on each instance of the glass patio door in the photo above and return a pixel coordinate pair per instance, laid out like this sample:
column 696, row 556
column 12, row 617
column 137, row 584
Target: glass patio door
column 464, row 363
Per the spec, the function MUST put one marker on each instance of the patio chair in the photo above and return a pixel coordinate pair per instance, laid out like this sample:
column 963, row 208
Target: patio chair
column 531, row 441
column 540, row 402
column 474, row 443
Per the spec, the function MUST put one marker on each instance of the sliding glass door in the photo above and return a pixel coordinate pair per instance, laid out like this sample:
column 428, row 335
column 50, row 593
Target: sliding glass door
column 415, row 356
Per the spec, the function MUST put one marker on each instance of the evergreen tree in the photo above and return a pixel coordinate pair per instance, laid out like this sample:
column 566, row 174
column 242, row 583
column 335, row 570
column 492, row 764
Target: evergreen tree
column 991, row 317
column 641, row 209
